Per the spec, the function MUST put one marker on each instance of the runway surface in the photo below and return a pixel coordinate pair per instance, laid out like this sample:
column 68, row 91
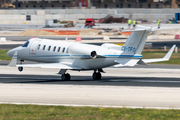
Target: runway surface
column 123, row 87
column 87, row 80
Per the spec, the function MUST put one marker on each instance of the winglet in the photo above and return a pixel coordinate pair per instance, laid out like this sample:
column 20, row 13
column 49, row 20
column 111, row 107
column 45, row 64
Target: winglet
column 168, row 55
column 165, row 58
column 14, row 60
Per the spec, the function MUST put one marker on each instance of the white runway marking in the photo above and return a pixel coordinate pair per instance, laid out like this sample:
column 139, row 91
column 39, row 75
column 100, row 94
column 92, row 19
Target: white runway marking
column 77, row 105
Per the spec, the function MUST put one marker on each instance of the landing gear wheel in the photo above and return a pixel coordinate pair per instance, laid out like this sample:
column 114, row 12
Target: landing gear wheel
column 96, row 76
column 20, row 69
column 66, row 77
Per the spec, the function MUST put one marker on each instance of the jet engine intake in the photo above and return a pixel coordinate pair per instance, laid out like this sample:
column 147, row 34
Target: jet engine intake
column 93, row 54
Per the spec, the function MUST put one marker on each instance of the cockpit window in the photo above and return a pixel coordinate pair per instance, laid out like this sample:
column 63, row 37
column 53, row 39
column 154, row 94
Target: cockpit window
column 25, row 44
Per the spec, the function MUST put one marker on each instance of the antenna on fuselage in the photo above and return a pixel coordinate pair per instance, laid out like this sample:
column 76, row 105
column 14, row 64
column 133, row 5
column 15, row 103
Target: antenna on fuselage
column 66, row 39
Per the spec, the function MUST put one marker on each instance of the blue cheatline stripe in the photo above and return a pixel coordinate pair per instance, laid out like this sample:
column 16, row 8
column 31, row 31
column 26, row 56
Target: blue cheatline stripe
column 80, row 55
column 15, row 56
column 119, row 56
column 136, row 56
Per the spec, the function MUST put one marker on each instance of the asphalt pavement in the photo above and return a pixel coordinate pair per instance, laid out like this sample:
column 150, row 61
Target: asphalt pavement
column 87, row 80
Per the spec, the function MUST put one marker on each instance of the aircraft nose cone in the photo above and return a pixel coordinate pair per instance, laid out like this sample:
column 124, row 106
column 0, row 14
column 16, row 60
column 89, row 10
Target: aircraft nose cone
column 10, row 53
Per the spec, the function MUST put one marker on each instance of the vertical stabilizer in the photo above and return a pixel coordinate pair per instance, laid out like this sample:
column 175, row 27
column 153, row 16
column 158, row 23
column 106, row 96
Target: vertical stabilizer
column 136, row 41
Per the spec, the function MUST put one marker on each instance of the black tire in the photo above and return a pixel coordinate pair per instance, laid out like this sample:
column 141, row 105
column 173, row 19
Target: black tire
column 65, row 77
column 68, row 77
column 20, row 69
column 96, row 76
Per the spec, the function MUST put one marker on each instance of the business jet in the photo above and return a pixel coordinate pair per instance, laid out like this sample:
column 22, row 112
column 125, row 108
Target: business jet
column 80, row 57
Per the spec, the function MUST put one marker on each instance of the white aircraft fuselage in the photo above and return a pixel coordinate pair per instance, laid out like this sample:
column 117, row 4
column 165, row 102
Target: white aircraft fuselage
column 55, row 51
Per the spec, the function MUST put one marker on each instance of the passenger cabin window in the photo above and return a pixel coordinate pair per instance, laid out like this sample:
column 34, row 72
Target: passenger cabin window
column 54, row 49
column 63, row 50
column 25, row 44
column 39, row 46
column 49, row 48
column 44, row 47
column 59, row 49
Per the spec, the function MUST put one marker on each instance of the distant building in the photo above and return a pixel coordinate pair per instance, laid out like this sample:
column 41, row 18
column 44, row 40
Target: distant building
column 67, row 4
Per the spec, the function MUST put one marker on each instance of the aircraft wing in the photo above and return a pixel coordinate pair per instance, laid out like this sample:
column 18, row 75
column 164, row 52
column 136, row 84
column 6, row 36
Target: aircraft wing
column 49, row 65
column 165, row 58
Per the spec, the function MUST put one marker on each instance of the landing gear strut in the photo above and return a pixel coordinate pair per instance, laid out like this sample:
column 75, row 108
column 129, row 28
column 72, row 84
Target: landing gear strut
column 20, row 69
column 65, row 77
column 96, row 76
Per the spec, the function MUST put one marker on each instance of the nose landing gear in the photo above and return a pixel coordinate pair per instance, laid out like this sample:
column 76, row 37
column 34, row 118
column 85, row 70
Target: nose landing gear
column 20, row 69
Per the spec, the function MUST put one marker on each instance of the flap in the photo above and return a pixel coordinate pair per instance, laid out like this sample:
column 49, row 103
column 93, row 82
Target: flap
column 130, row 62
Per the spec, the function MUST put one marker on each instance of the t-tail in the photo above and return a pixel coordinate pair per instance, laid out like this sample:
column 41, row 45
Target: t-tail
column 136, row 41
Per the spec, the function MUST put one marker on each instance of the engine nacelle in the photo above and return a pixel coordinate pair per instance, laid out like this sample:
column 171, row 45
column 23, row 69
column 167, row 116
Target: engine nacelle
column 79, row 51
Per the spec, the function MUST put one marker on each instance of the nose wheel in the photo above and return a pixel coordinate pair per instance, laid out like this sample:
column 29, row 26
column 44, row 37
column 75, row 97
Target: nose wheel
column 96, row 76
column 20, row 69
column 66, row 77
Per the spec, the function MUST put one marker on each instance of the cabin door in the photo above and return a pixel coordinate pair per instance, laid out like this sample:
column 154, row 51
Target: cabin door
column 33, row 47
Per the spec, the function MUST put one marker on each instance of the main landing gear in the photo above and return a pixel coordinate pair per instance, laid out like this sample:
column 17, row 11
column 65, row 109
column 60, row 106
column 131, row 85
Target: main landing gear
column 65, row 77
column 96, row 76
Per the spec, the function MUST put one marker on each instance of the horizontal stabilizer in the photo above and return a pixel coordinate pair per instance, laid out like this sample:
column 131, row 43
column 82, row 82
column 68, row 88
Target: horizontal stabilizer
column 165, row 58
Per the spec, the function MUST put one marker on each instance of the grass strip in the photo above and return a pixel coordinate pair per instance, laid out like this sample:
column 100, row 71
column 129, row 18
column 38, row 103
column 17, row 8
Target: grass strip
column 3, row 55
column 34, row 112
column 175, row 58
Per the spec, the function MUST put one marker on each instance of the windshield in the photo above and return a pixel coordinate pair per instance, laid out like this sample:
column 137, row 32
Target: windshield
column 25, row 44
